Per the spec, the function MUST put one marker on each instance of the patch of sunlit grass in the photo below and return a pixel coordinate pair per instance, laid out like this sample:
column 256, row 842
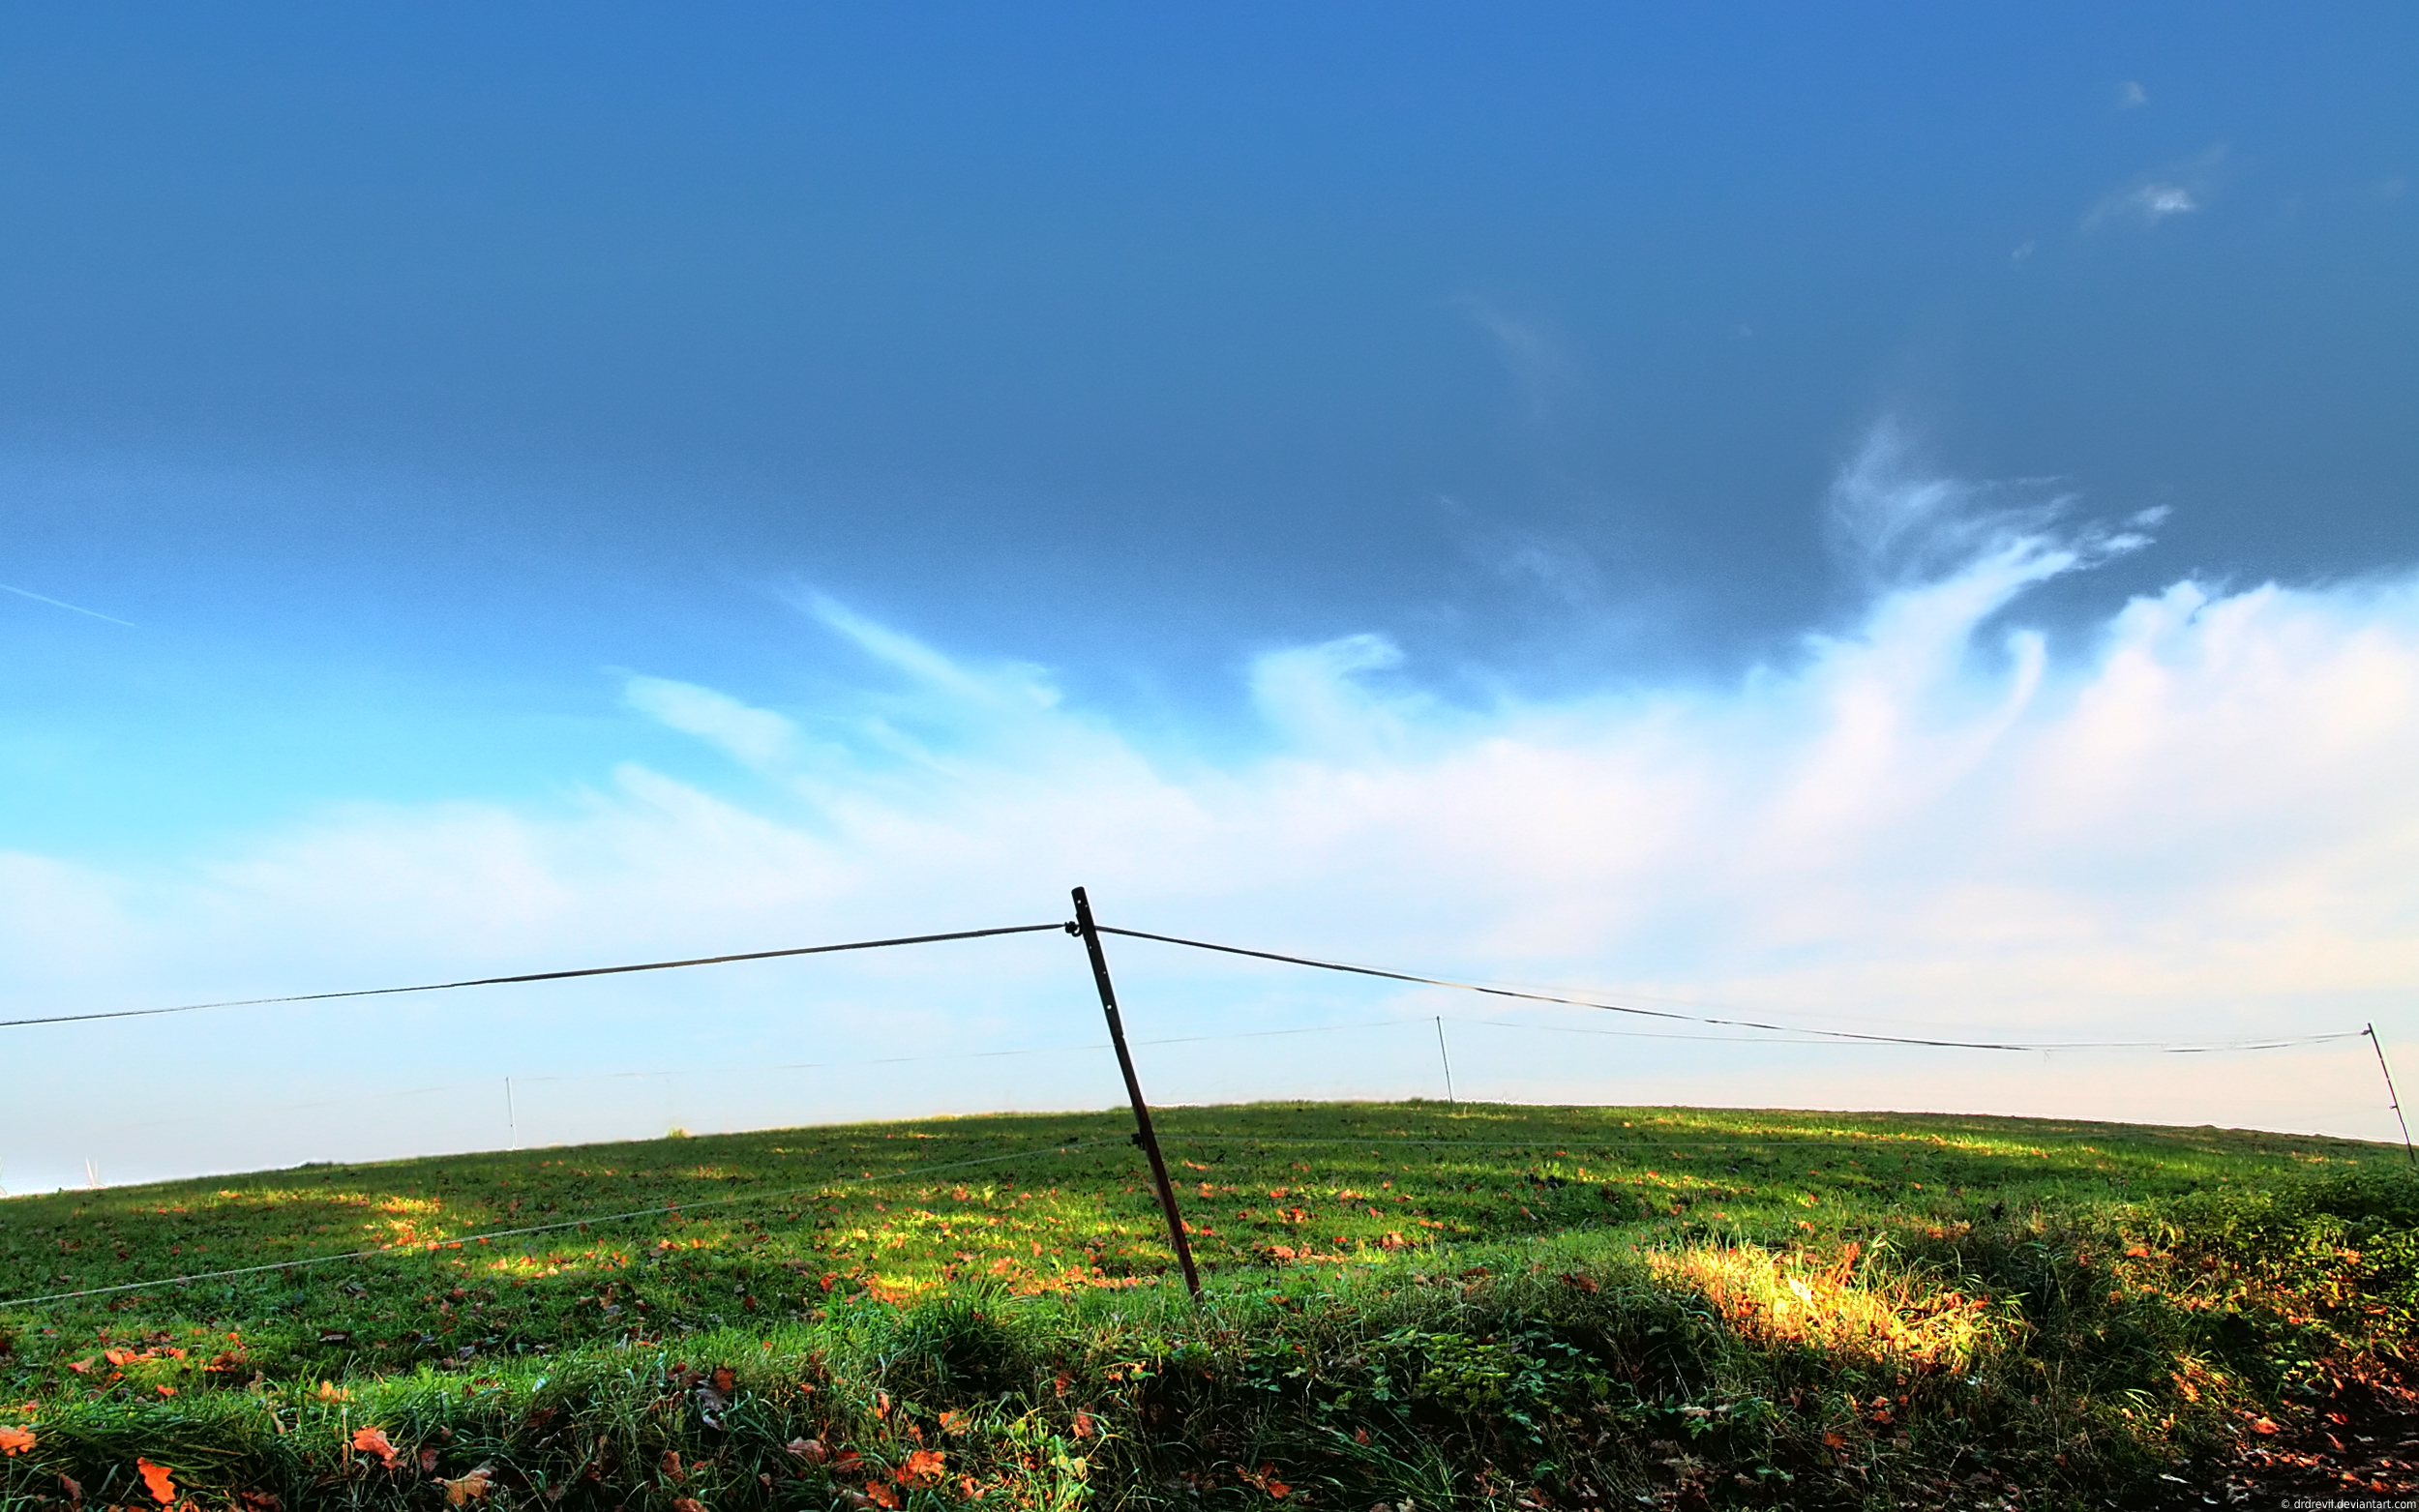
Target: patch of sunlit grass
column 1788, row 1298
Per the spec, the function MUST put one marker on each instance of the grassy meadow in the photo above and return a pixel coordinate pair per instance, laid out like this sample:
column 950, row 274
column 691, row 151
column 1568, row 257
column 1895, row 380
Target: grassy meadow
column 1407, row 1305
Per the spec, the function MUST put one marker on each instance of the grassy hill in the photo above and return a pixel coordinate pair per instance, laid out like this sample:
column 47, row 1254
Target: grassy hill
column 1412, row 1305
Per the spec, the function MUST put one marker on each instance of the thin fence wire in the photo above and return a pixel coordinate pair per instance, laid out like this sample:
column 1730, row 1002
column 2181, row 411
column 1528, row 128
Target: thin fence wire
column 536, row 976
column 1810, row 1033
column 2172, row 1048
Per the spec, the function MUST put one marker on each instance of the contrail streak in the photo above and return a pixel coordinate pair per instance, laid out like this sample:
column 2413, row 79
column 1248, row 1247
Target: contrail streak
column 62, row 603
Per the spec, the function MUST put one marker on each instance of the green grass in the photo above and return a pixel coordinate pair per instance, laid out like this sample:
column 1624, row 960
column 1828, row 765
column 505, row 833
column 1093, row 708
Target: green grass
column 1474, row 1305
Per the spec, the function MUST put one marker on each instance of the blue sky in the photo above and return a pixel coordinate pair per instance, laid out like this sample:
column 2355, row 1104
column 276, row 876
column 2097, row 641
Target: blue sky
column 1541, row 495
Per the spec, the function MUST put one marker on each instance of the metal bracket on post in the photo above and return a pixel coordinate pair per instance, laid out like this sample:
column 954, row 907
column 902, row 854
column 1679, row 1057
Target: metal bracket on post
column 1142, row 1135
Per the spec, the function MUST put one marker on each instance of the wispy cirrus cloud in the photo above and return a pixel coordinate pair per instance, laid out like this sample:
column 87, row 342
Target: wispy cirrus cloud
column 1543, row 366
column 755, row 736
column 1899, row 523
column 62, row 603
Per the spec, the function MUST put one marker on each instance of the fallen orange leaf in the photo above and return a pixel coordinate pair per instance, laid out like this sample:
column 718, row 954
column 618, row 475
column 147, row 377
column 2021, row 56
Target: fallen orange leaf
column 924, row 1464
column 373, row 1440
column 15, row 1441
column 1266, row 1481
column 158, row 1480
column 472, row 1487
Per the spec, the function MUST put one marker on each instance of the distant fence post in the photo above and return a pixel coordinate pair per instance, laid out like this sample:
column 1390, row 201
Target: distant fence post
column 1443, row 1055
column 2390, row 1095
column 1143, row 1133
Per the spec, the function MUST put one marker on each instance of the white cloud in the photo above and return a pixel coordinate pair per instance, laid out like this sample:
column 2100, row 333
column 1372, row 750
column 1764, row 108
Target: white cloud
column 2182, row 190
column 2201, row 822
column 2156, row 201
column 1901, row 523
column 759, row 737
column 1310, row 695
column 1015, row 685
column 2131, row 95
